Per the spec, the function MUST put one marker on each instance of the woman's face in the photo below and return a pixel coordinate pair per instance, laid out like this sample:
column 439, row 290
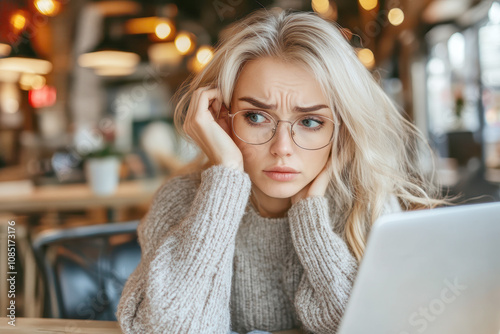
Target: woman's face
column 279, row 88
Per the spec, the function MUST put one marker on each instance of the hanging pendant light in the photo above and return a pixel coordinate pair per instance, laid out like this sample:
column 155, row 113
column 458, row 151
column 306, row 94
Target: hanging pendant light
column 110, row 57
column 23, row 59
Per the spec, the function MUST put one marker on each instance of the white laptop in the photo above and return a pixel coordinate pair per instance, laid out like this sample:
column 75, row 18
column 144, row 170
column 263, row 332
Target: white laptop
column 429, row 271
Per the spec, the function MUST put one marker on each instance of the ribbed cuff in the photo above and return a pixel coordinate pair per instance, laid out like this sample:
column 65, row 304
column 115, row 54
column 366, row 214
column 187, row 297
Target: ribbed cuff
column 321, row 251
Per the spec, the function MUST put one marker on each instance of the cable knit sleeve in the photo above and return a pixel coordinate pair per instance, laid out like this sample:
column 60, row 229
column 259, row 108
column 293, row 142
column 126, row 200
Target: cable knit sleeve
column 329, row 267
column 183, row 281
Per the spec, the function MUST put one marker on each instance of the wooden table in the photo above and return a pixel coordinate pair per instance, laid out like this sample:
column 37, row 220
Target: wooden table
column 78, row 196
column 62, row 326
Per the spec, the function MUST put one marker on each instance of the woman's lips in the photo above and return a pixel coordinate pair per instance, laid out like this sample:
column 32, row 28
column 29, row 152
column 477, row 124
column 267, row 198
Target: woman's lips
column 281, row 176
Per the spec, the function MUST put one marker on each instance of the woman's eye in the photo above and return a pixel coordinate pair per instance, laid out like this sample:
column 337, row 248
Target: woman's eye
column 255, row 117
column 311, row 123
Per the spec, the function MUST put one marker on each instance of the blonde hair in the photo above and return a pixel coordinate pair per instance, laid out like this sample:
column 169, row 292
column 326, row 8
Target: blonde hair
column 375, row 153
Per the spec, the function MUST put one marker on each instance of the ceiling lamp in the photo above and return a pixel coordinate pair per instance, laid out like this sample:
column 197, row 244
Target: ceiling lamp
column 23, row 59
column 110, row 58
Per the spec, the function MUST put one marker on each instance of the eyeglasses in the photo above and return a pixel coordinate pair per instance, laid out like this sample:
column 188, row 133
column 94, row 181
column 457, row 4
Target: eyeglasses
column 256, row 127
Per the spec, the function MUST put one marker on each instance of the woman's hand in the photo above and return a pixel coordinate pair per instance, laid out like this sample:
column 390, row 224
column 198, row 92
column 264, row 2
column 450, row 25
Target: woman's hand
column 316, row 187
column 208, row 125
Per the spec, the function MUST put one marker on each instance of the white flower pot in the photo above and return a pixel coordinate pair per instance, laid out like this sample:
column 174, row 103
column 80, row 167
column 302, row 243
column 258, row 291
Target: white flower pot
column 103, row 174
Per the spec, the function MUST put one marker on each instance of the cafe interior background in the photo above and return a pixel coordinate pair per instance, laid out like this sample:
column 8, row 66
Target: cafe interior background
column 86, row 129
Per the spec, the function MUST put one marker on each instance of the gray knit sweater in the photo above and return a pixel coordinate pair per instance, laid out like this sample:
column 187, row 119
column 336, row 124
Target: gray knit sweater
column 211, row 263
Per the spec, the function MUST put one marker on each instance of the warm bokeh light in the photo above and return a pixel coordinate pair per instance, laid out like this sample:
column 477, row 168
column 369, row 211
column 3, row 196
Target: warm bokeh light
column 204, row 55
column 5, row 49
column 150, row 25
column 25, row 65
column 367, row 58
column 163, row 30
column 368, row 4
column 113, row 59
column 48, row 7
column 18, row 21
column 183, row 43
column 114, row 71
column 31, row 81
column 396, row 16
column 320, row 6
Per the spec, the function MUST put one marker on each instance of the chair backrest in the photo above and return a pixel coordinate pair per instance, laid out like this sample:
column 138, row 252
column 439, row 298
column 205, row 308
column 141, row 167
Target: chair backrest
column 85, row 268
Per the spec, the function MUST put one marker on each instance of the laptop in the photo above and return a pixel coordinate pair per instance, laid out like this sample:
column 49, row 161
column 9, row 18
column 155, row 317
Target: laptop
column 429, row 271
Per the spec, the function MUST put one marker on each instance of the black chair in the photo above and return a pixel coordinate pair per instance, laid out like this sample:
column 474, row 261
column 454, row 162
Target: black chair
column 85, row 268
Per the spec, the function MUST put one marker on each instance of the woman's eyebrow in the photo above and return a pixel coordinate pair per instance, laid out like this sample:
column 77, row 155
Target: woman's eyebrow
column 262, row 105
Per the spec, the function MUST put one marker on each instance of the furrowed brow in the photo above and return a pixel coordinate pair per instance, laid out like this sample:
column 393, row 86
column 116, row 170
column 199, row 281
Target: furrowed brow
column 261, row 105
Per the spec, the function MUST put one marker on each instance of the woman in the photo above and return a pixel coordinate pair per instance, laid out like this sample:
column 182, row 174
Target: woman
column 308, row 153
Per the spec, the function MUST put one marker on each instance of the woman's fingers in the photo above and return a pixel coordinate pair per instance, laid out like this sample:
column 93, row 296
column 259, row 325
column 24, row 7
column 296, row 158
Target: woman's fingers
column 203, row 124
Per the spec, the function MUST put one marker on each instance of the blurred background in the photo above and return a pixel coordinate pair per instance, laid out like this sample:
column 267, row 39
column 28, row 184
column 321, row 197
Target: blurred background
column 86, row 129
column 86, row 88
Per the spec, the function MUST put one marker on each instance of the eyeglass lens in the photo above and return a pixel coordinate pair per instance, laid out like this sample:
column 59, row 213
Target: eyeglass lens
column 258, row 127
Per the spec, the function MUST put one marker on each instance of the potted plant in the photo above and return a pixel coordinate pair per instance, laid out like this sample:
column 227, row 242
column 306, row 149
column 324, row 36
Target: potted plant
column 102, row 165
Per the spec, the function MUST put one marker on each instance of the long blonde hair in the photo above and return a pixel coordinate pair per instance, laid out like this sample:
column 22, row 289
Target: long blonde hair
column 375, row 153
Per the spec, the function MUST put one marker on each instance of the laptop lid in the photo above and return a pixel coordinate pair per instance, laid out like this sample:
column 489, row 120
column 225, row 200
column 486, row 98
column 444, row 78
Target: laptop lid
column 429, row 271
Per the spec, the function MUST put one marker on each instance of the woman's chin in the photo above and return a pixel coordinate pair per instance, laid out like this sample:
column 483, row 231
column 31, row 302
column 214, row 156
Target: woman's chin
column 280, row 191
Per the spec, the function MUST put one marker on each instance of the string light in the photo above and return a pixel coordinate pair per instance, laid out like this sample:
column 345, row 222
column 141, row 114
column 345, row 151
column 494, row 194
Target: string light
column 204, row 55
column 367, row 58
column 18, row 21
column 396, row 16
column 320, row 6
column 163, row 30
column 368, row 4
column 183, row 43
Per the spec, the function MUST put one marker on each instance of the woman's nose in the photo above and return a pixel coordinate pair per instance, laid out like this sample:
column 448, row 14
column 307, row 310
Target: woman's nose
column 282, row 143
